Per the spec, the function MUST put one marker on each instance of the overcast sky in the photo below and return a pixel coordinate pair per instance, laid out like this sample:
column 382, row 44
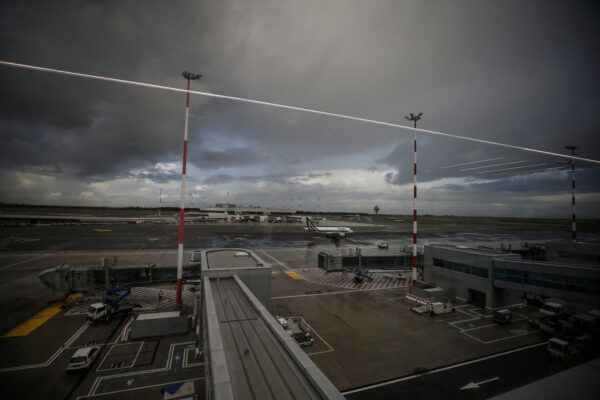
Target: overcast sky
column 518, row 72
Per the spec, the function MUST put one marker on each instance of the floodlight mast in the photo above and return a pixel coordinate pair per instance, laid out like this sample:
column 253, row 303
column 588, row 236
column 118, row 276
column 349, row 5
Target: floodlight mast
column 572, row 148
column 414, row 118
column 189, row 76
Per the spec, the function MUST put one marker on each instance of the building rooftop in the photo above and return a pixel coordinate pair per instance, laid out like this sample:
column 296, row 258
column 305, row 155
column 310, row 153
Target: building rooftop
column 232, row 258
column 254, row 357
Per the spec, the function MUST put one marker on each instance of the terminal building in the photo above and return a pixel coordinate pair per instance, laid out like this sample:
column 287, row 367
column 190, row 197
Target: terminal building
column 231, row 212
column 247, row 352
column 495, row 279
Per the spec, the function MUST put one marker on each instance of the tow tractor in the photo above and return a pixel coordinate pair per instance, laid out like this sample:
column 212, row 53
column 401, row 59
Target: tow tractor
column 102, row 311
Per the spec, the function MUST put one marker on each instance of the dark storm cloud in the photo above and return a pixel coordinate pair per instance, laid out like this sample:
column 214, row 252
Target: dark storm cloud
column 231, row 157
column 219, row 179
column 477, row 69
column 158, row 175
column 226, row 178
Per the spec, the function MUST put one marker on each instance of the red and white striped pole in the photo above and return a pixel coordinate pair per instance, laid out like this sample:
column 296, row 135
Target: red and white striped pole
column 572, row 148
column 189, row 76
column 414, row 118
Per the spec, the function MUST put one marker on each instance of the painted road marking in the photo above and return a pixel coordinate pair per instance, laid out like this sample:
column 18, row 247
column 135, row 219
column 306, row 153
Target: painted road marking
column 110, row 378
column 434, row 371
column 292, row 275
column 112, row 346
column 346, row 280
column 53, row 356
column 147, row 297
column 238, row 238
column 475, row 385
column 276, row 260
column 141, row 387
column 33, row 323
column 24, row 261
column 311, row 329
column 185, row 363
column 153, row 239
column 25, row 328
column 102, row 230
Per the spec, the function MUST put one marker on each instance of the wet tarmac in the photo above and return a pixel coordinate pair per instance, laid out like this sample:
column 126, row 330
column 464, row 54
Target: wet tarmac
column 254, row 235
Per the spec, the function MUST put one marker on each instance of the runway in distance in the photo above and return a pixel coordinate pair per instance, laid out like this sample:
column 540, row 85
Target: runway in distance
column 332, row 231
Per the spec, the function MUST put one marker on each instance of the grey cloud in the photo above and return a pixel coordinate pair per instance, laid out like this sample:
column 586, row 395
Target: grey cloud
column 230, row 157
column 479, row 70
column 158, row 175
column 219, row 179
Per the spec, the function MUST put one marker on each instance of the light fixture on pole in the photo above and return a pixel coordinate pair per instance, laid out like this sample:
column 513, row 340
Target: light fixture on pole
column 190, row 77
column 414, row 118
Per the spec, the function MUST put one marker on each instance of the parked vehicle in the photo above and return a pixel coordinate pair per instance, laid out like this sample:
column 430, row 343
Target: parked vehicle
column 434, row 308
column 568, row 350
column 503, row 316
column 382, row 245
column 552, row 309
column 102, row 311
column 83, row 358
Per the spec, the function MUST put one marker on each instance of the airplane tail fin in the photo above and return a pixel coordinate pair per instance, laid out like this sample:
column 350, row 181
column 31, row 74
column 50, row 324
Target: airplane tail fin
column 310, row 225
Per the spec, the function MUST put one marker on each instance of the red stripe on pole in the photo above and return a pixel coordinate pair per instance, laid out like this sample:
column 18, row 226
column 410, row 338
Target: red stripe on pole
column 573, row 217
column 415, row 240
column 184, row 156
column 415, row 194
column 415, row 168
column 187, row 101
column 178, row 300
column 414, row 215
column 414, row 261
column 181, row 220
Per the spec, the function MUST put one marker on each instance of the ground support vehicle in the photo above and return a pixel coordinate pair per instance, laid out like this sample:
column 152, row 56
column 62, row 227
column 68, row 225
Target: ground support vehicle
column 503, row 316
column 102, row 311
column 434, row 308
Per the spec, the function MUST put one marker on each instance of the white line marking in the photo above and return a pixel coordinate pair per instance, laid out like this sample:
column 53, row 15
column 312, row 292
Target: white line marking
column 138, row 353
column 434, row 371
column 506, row 338
column 53, row 356
column 24, row 261
column 138, row 388
column 319, row 352
column 475, row 385
column 165, row 368
column 106, row 355
column 317, row 333
column 276, row 260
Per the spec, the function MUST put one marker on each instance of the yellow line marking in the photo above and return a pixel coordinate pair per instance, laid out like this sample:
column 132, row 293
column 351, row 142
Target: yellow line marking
column 478, row 234
column 153, row 239
column 33, row 323
column 238, row 238
column 103, row 230
column 316, row 237
column 31, row 240
column 40, row 318
column 292, row 275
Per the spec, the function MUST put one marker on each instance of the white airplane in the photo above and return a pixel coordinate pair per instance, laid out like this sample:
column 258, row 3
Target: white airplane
column 339, row 231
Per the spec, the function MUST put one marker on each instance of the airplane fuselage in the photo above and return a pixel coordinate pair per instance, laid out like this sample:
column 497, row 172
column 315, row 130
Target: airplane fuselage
column 340, row 231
